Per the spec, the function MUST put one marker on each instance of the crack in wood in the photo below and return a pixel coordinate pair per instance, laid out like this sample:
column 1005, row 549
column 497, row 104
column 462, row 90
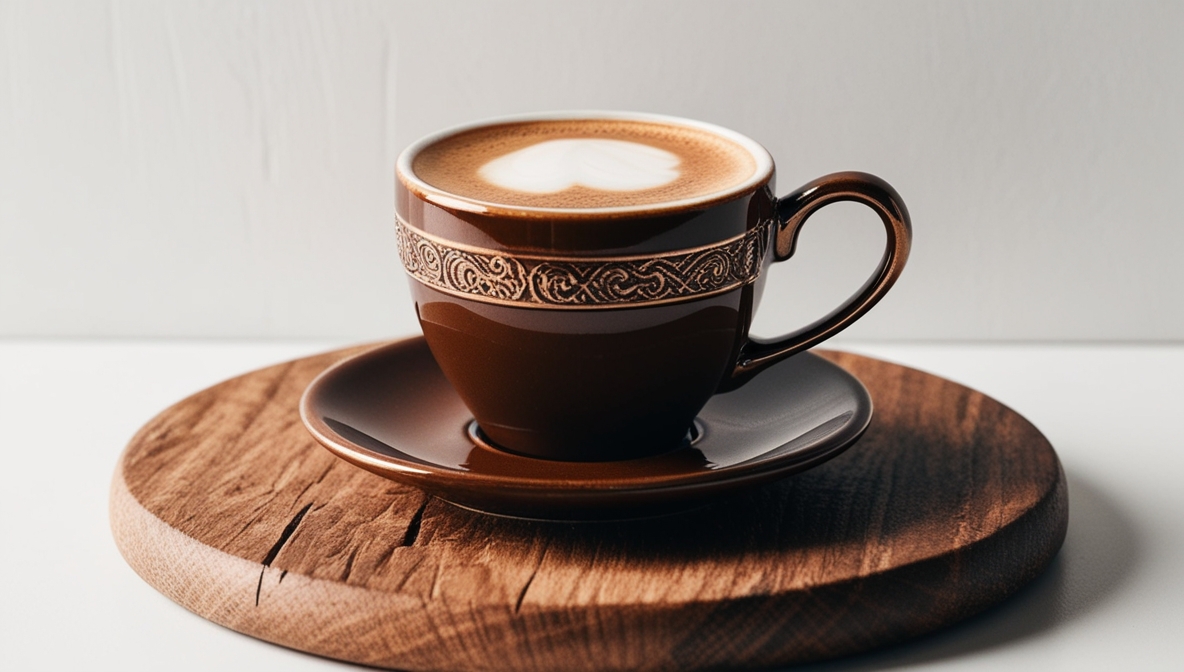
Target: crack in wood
column 275, row 550
column 412, row 532
column 538, row 565
column 349, row 564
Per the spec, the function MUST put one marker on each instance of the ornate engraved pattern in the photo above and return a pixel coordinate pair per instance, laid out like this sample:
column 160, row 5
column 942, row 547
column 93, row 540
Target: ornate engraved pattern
column 583, row 282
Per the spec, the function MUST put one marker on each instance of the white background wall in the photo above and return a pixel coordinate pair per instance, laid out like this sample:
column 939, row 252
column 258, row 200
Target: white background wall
column 225, row 169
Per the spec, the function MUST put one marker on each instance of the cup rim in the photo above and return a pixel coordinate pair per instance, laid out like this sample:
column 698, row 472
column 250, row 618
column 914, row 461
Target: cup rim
column 451, row 201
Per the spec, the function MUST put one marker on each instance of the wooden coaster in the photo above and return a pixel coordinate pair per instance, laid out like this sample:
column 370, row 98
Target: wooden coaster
column 949, row 503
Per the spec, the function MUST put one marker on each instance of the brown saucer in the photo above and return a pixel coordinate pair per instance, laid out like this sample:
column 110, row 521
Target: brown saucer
column 391, row 411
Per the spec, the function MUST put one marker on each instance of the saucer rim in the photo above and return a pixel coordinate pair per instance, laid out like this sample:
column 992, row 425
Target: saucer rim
column 438, row 477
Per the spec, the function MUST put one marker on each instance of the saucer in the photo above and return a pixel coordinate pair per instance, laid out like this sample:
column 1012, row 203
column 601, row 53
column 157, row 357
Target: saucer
column 391, row 411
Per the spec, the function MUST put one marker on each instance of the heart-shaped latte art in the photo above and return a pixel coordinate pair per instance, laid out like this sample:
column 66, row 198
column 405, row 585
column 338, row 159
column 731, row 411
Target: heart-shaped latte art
column 607, row 165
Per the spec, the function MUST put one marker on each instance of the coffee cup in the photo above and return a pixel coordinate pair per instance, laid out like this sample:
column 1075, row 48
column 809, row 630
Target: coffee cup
column 586, row 280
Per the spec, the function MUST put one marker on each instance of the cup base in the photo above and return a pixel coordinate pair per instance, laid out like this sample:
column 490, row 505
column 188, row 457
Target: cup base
column 692, row 436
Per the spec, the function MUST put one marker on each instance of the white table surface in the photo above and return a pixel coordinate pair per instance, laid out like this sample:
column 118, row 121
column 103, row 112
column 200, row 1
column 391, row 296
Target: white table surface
column 1113, row 598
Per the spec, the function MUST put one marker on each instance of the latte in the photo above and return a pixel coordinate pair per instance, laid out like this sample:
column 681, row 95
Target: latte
column 585, row 163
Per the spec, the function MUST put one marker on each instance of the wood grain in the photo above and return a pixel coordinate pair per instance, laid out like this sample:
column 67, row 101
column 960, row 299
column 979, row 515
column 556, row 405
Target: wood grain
column 948, row 504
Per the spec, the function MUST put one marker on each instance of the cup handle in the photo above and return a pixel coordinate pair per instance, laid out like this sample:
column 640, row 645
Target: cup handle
column 792, row 212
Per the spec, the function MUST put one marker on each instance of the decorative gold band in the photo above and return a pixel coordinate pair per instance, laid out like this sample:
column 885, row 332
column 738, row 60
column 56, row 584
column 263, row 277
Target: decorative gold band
column 532, row 281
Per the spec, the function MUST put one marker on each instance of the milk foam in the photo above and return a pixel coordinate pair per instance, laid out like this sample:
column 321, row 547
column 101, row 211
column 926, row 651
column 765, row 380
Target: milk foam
column 595, row 163
column 582, row 164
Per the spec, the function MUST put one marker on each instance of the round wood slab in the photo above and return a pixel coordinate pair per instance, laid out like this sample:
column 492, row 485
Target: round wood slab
column 949, row 503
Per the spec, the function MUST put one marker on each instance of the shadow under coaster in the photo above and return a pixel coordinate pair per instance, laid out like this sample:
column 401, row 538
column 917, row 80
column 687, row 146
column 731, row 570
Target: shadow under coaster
column 948, row 503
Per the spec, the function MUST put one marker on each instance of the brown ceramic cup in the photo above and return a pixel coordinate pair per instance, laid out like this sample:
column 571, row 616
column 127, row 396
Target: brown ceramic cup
column 595, row 326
